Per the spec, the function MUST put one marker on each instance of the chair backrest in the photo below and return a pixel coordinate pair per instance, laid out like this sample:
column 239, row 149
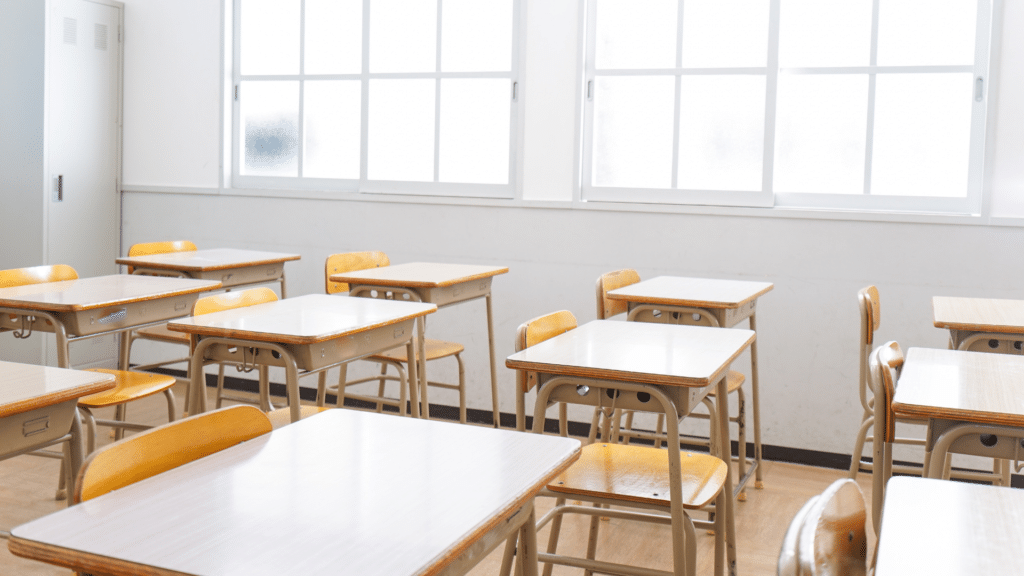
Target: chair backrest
column 230, row 300
column 36, row 275
column 350, row 262
column 163, row 448
column 870, row 316
column 884, row 366
column 536, row 331
column 833, row 540
column 149, row 248
column 606, row 307
column 789, row 559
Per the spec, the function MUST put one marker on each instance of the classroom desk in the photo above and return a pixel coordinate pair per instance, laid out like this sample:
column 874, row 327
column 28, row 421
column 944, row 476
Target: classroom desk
column 440, row 284
column 311, row 333
column 38, row 408
column 624, row 364
column 231, row 267
column 981, row 324
column 342, row 492
column 90, row 307
column 972, row 401
column 718, row 303
column 950, row 528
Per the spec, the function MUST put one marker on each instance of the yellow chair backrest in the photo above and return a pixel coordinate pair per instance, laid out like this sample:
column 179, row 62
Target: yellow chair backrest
column 231, row 300
column 150, row 248
column 606, row 307
column 870, row 313
column 536, row 331
column 350, row 262
column 166, row 447
column 36, row 275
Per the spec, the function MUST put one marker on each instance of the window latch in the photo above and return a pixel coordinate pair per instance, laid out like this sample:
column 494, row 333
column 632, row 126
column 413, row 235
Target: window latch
column 979, row 89
column 590, row 89
column 515, row 91
column 236, row 92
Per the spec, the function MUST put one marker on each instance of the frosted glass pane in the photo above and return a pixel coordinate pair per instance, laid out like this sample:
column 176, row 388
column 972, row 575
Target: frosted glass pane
column 816, row 33
column 633, row 117
column 270, row 127
column 633, row 34
column 403, row 35
column 926, row 32
column 476, row 35
column 270, row 36
column 334, row 37
column 718, row 34
column 332, row 129
column 922, row 135
column 401, row 123
column 721, row 132
column 475, row 130
column 821, row 128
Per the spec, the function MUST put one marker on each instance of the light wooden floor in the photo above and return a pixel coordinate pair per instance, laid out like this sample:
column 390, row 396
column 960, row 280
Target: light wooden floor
column 27, row 486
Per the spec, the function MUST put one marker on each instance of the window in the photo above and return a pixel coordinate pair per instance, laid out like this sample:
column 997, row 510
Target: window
column 867, row 104
column 400, row 96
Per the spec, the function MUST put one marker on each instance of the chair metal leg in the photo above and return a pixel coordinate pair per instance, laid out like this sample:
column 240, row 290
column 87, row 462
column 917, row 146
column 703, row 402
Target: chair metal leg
column 462, row 393
column 380, row 386
column 595, row 524
column 858, row 444
column 556, row 528
column 756, row 401
column 741, row 449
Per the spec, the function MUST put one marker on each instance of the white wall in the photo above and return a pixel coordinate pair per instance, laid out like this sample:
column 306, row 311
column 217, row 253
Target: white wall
column 808, row 325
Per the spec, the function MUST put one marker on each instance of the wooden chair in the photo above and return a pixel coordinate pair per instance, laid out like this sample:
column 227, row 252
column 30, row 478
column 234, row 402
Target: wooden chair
column 884, row 365
column 166, row 447
column 629, row 476
column 396, row 357
column 534, row 332
column 606, row 308
column 828, row 536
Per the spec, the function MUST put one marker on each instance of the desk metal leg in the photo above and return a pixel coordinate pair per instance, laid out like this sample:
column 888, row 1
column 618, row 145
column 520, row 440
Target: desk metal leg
column 75, row 453
column 527, row 554
column 284, row 290
column 725, row 453
column 755, row 400
column 496, row 414
column 63, row 357
column 421, row 358
column 411, row 379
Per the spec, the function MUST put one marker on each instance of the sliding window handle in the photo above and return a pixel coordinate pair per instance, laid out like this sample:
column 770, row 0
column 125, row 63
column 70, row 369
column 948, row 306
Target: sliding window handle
column 58, row 188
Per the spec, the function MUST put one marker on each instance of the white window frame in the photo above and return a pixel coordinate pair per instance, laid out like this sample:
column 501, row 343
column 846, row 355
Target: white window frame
column 971, row 203
column 364, row 184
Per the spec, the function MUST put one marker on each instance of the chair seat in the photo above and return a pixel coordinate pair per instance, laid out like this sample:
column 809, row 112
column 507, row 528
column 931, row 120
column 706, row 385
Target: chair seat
column 435, row 349
column 640, row 474
column 283, row 416
column 128, row 386
column 162, row 334
column 733, row 380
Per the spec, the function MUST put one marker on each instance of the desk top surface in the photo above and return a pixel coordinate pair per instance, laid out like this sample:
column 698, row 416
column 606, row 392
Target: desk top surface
column 99, row 291
column 419, row 275
column 695, row 292
column 953, row 384
column 940, row 528
column 668, row 354
column 342, row 492
column 205, row 260
column 978, row 314
column 26, row 387
column 302, row 320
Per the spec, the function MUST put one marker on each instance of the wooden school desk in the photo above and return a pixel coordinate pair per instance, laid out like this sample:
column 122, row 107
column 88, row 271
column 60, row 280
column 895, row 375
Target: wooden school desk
column 618, row 364
column 440, row 284
column 232, row 267
column 973, row 402
column 342, row 493
column 950, row 529
column 978, row 323
column 726, row 303
column 90, row 307
column 310, row 334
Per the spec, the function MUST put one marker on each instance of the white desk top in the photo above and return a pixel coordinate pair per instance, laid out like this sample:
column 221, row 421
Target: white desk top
column 206, row 260
column 978, row 314
column 940, row 528
column 694, row 292
column 419, row 275
column 971, row 386
column 342, row 492
column 26, row 387
column 303, row 320
column 670, row 354
column 98, row 292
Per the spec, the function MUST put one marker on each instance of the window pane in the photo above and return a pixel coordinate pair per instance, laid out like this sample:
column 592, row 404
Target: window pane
column 821, row 128
column 723, row 34
column 334, row 37
column 401, row 125
column 475, row 130
column 922, row 134
column 270, row 36
column 633, row 34
column 926, row 32
column 816, row 33
column 476, row 35
column 721, row 132
column 270, row 125
column 633, row 117
column 403, row 35
column 332, row 129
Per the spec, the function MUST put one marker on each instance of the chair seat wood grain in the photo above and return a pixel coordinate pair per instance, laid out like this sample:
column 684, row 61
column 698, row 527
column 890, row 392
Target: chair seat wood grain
column 128, row 386
column 435, row 349
column 162, row 334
